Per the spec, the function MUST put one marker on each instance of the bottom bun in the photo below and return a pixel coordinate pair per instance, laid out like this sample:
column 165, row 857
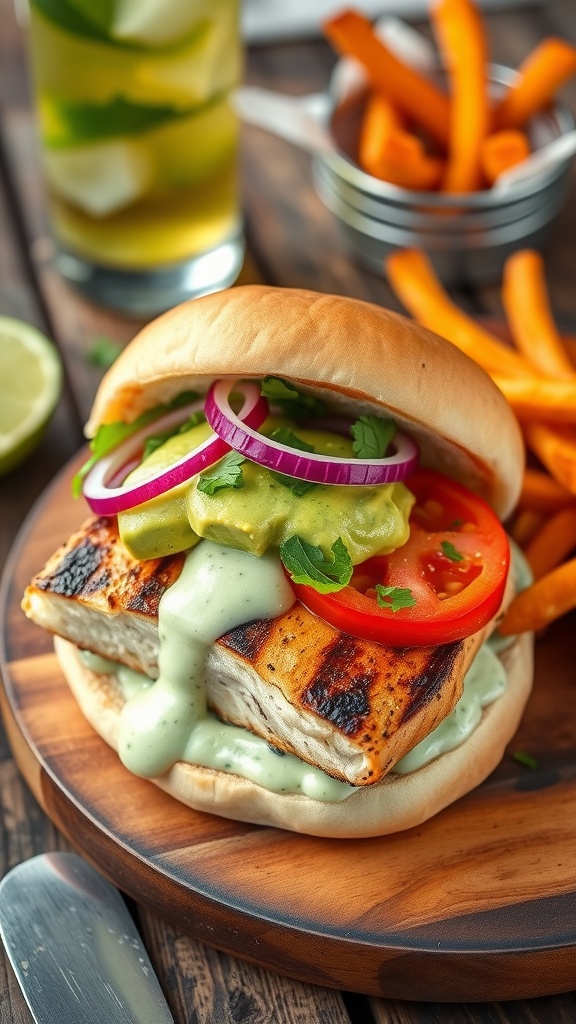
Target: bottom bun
column 398, row 802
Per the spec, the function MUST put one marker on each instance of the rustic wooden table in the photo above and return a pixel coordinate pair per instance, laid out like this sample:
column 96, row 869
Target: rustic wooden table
column 292, row 240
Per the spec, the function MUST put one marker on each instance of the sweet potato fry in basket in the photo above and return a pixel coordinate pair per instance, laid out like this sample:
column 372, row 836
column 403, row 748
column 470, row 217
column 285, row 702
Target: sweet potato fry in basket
column 502, row 150
column 388, row 151
column 352, row 35
column 460, row 32
column 541, row 74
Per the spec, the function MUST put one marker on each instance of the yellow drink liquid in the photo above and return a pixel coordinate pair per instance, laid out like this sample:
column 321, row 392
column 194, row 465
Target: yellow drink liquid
column 139, row 140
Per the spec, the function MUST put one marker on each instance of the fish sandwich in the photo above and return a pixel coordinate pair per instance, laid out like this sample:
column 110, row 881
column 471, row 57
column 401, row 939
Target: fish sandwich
column 280, row 609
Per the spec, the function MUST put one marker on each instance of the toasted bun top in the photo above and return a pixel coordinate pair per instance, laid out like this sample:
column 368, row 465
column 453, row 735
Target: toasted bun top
column 359, row 357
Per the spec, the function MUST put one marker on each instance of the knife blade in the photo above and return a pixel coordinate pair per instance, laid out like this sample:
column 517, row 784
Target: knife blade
column 74, row 947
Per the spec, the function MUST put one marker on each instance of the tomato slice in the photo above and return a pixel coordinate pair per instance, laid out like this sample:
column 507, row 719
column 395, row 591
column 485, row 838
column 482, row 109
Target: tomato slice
column 451, row 573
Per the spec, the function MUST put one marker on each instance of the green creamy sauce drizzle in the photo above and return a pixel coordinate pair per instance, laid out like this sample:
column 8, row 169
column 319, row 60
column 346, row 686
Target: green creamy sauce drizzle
column 167, row 720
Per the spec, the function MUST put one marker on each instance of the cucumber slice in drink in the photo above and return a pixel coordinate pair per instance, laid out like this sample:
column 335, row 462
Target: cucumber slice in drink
column 158, row 23
column 100, row 179
column 81, row 70
column 209, row 65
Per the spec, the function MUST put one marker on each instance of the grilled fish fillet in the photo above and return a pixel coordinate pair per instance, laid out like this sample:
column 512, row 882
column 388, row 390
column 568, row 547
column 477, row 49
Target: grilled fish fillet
column 348, row 706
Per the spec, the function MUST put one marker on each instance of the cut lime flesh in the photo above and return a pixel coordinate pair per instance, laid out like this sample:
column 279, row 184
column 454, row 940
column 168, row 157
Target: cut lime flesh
column 30, row 385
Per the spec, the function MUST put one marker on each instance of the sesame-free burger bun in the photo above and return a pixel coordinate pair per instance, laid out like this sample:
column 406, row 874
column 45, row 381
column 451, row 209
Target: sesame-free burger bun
column 398, row 802
column 357, row 356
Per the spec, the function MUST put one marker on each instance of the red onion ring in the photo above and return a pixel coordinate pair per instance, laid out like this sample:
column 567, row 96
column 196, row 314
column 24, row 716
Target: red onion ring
column 102, row 486
column 320, row 469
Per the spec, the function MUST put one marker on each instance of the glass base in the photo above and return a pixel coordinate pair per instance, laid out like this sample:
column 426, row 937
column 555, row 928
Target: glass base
column 147, row 293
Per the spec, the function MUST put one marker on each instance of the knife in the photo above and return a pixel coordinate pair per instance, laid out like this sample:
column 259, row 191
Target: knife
column 74, row 947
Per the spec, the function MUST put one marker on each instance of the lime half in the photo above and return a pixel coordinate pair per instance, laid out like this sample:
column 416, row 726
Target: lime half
column 30, row 385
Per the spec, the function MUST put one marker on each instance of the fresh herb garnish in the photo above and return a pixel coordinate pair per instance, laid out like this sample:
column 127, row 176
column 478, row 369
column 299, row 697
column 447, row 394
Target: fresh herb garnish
column 294, row 404
column 157, row 440
column 526, row 759
column 104, row 351
column 288, row 438
column 298, row 487
column 372, row 435
column 455, row 524
column 394, row 598
column 450, row 551
column 226, row 473
column 307, row 564
column 110, row 435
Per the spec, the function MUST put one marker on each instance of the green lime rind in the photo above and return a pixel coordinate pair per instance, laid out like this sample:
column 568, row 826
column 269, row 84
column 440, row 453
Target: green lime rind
column 72, row 124
column 27, row 357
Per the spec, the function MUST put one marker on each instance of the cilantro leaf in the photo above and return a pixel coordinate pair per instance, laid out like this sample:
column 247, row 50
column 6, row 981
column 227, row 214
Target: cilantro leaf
column 372, row 435
column 307, row 564
column 157, row 440
column 226, row 473
column 104, row 351
column 450, row 551
column 298, row 487
column 287, row 437
column 110, row 435
column 394, row 598
column 526, row 759
column 295, row 404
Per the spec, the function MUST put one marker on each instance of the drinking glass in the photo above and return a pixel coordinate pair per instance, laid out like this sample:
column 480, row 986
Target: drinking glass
column 139, row 145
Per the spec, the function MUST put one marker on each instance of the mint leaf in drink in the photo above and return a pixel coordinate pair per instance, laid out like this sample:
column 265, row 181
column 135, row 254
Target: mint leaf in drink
column 98, row 14
column 394, row 598
column 66, row 16
column 79, row 122
column 451, row 552
column 296, row 405
column 306, row 563
column 226, row 473
column 372, row 435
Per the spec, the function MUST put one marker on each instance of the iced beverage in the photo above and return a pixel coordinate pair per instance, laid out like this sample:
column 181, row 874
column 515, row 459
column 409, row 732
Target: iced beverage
column 138, row 136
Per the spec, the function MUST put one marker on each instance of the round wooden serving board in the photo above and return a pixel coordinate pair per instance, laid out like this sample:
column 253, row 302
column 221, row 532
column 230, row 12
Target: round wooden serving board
column 477, row 904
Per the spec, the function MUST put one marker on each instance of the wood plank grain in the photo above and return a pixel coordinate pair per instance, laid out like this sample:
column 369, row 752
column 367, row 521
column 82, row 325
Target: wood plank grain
column 487, row 889
column 215, row 987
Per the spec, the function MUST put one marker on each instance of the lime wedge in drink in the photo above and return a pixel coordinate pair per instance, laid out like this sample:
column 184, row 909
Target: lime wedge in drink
column 101, row 178
column 30, row 385
column 209, row 64
column 192, row 149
